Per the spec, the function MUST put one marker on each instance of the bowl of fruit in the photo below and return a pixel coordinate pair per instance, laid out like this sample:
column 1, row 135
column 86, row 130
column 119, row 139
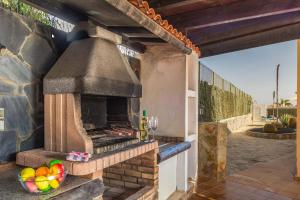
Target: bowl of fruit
column 44, row 179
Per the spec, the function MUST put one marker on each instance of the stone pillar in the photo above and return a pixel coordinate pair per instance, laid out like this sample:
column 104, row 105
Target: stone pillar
column 212, row 149
column 298, row 111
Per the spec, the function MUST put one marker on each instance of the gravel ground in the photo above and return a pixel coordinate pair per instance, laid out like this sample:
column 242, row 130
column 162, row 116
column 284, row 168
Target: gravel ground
column 244, row 151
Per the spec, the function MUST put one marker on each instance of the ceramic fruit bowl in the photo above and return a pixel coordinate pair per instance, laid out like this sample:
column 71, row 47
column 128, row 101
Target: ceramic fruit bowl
column 44, row 179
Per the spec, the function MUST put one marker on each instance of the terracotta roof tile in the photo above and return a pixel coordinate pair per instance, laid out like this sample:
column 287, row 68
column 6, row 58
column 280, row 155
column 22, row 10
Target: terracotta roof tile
column 150, row 12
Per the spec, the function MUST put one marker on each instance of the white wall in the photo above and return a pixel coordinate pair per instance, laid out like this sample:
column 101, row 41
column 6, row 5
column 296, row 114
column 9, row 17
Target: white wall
column 163, row 81
column 236, row 123
column 193, row 160
column 167, row 178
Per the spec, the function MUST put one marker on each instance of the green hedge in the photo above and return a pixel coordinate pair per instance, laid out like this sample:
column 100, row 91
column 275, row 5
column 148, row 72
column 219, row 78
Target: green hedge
column 282, row 111
column 218, row 104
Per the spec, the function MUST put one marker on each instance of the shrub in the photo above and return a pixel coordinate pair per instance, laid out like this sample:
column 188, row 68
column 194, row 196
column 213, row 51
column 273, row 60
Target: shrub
column 283, row 110
column 285, row 118
column 292, row 122
column 278, row 125
column 270, row 128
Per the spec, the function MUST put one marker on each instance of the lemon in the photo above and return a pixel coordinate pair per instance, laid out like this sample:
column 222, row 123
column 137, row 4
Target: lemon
column 27, row 173
column 54, row 184
column 42, row 182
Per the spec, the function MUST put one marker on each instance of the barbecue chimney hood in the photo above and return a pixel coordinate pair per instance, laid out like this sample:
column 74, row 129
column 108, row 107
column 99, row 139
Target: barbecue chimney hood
column 94, row 66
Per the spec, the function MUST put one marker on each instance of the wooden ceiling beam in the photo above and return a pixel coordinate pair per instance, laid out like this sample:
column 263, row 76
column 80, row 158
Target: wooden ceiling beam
column 239, row 29
column 132, row 31
column 183, row 6
column 188, row 5
column 147, row 40
column 235, row 12
column 281, row 34
column 158, row 3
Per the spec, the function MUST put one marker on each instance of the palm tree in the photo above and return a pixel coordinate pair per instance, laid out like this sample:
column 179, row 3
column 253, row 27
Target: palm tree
column 285, row 102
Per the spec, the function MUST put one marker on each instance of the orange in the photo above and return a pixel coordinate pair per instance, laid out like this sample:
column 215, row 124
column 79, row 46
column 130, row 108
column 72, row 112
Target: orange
column 42, row 171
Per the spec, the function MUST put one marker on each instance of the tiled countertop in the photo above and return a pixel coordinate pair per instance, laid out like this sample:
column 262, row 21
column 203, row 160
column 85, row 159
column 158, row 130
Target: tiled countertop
column 168, row 150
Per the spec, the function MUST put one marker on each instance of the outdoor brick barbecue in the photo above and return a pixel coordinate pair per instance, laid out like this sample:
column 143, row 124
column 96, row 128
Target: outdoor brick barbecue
column 92, row 102
column 92, row 105
column 88, row 96
column 91, row 96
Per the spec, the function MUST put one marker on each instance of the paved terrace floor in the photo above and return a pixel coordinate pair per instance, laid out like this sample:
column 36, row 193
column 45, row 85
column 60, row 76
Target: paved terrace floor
column 261, row 169
column 273, row 180
column 244, row 151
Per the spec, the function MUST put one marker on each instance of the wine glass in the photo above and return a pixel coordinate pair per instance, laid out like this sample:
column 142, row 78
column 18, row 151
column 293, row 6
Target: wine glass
column 153, row 124
column 149, row 127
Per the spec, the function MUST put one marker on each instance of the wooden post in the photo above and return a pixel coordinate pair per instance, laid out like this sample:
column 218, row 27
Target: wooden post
column 298, row 111
column 277, row 79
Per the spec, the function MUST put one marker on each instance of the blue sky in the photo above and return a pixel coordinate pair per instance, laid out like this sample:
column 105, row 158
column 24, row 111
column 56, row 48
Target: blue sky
column 253, row 70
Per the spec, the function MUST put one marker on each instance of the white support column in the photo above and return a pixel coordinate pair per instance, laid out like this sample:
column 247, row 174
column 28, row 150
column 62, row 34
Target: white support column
column 170, row 91
column 182, row 173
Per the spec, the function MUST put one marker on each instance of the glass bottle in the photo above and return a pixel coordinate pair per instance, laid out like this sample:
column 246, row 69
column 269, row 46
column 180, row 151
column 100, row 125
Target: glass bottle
column 144, row 127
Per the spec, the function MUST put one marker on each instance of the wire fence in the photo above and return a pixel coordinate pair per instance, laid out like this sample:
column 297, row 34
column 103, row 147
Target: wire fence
column 220, row 99
column 211, row 78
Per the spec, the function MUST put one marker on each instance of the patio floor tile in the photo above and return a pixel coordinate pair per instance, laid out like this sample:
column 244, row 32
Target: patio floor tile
column 264, row 181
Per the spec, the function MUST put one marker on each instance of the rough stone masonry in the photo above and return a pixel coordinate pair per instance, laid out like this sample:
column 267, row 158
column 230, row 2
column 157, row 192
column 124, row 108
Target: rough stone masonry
column 27, row 51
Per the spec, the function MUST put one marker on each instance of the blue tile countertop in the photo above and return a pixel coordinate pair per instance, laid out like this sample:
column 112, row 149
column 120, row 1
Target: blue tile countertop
column 168, row 150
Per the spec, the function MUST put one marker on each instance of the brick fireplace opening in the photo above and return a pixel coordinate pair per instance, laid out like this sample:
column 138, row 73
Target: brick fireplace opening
column 105, row 111
column 108, row 122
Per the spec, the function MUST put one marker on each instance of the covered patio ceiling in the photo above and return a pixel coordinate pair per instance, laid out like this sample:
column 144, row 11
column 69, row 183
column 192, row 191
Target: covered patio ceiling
column 138, row 24
column 220, row 26
column 216, row 26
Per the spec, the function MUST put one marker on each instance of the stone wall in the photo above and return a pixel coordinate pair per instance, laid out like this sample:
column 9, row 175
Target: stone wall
column 237, row 123
column 27, row 51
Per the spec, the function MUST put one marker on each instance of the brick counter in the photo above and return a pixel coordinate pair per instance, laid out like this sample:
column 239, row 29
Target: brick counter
column 37, row 157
